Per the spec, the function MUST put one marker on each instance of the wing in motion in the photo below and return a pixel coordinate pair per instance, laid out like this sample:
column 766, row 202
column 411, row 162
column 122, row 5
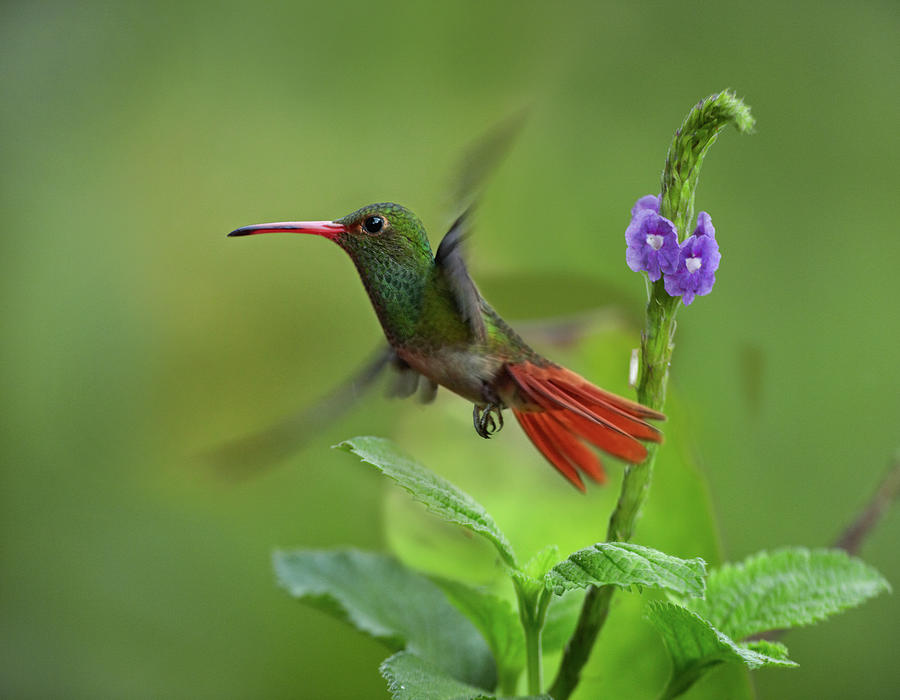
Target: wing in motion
column 251, row 454
column 451, row 262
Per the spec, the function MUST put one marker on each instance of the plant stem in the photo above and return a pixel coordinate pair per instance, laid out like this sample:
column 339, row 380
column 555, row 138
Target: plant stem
column 689, row 146
column 533, row 658
column 533, row 613
column 656, row 352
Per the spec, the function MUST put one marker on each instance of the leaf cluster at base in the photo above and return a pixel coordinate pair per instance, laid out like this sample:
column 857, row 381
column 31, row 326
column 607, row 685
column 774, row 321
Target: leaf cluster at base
column 453, row 640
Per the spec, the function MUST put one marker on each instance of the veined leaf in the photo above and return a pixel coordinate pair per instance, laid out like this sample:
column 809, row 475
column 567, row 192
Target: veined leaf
column 410, row 677
column 498, row 623
column 776, row 650
column 401, row 608
column 538, row 566
column 785, row 588
column 624, row 564
column 695, row 646
column 530, row 579
column 437, row 494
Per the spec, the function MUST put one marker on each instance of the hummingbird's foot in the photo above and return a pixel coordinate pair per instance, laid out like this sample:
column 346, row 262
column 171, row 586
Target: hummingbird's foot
column 483, row 418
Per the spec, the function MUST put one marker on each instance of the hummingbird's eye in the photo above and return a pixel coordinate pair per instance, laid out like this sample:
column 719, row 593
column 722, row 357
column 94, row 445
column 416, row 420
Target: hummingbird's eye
column 373, row 224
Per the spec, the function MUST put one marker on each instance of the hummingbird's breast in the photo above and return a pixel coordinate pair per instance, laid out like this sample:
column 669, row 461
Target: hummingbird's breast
column 443, row 349
column 462, row 370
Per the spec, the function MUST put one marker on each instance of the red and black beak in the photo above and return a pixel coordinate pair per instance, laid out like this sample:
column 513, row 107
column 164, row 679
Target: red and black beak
column 329, row 229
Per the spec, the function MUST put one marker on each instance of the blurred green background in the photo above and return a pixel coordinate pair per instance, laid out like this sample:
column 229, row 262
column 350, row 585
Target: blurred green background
column 135, row 335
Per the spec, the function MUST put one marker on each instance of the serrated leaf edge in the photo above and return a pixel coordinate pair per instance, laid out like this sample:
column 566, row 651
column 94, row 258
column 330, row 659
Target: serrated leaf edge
column 560, row 583
column 752, row 659
column 490, row 530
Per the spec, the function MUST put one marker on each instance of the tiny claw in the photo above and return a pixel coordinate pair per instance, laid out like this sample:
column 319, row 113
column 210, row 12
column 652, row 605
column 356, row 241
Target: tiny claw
column 483, row 418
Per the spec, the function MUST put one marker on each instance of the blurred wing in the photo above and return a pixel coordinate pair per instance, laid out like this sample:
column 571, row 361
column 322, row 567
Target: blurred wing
column 476, row 165
column 479, row 161
column 451, row 262
column 251, row 454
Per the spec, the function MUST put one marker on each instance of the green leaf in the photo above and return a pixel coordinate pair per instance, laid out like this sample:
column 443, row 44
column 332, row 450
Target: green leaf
column 382, row 598
column 624, row 564
column 498, row 623
column 695, row 646
column 776, row 650
column 562, row 615
column 530, row 579
column 437, row 494
column 410, row 677
column 538, row 566
column 786, row 588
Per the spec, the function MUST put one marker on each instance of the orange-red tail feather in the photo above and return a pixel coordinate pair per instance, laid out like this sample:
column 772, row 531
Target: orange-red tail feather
column 548, row 443
column 559, row 411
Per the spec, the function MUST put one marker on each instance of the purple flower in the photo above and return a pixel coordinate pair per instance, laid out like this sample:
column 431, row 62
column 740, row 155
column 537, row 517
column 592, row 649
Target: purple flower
column 704, row 226
column 648, row 201
column 652, row 242
column 698, row 261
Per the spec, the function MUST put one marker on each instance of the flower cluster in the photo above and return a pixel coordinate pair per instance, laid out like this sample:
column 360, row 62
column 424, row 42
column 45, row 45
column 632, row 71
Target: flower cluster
column 688, row 269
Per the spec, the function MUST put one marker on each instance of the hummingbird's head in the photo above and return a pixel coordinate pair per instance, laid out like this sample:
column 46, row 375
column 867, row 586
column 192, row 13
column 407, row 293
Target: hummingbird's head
column 384, row 226
column 376, row 230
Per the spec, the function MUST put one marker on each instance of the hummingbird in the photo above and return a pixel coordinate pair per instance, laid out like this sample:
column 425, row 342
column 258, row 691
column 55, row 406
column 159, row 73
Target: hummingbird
column 442, row 332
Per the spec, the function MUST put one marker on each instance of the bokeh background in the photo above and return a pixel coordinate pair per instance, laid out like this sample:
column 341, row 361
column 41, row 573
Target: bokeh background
column 135, row 335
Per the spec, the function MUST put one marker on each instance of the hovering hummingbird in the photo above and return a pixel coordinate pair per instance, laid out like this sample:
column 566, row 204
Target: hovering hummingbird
column 441, row 331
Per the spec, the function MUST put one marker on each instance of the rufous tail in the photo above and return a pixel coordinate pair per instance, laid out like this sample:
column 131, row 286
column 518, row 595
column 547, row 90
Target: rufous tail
column 560, row 411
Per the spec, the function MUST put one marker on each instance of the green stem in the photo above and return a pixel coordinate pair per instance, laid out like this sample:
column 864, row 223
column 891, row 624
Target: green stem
column 533, row 614
column 533, row 659
column 689, row 146
column 656, row 352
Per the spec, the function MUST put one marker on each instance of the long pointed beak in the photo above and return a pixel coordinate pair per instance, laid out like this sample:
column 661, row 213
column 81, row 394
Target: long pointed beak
column 329, row 229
